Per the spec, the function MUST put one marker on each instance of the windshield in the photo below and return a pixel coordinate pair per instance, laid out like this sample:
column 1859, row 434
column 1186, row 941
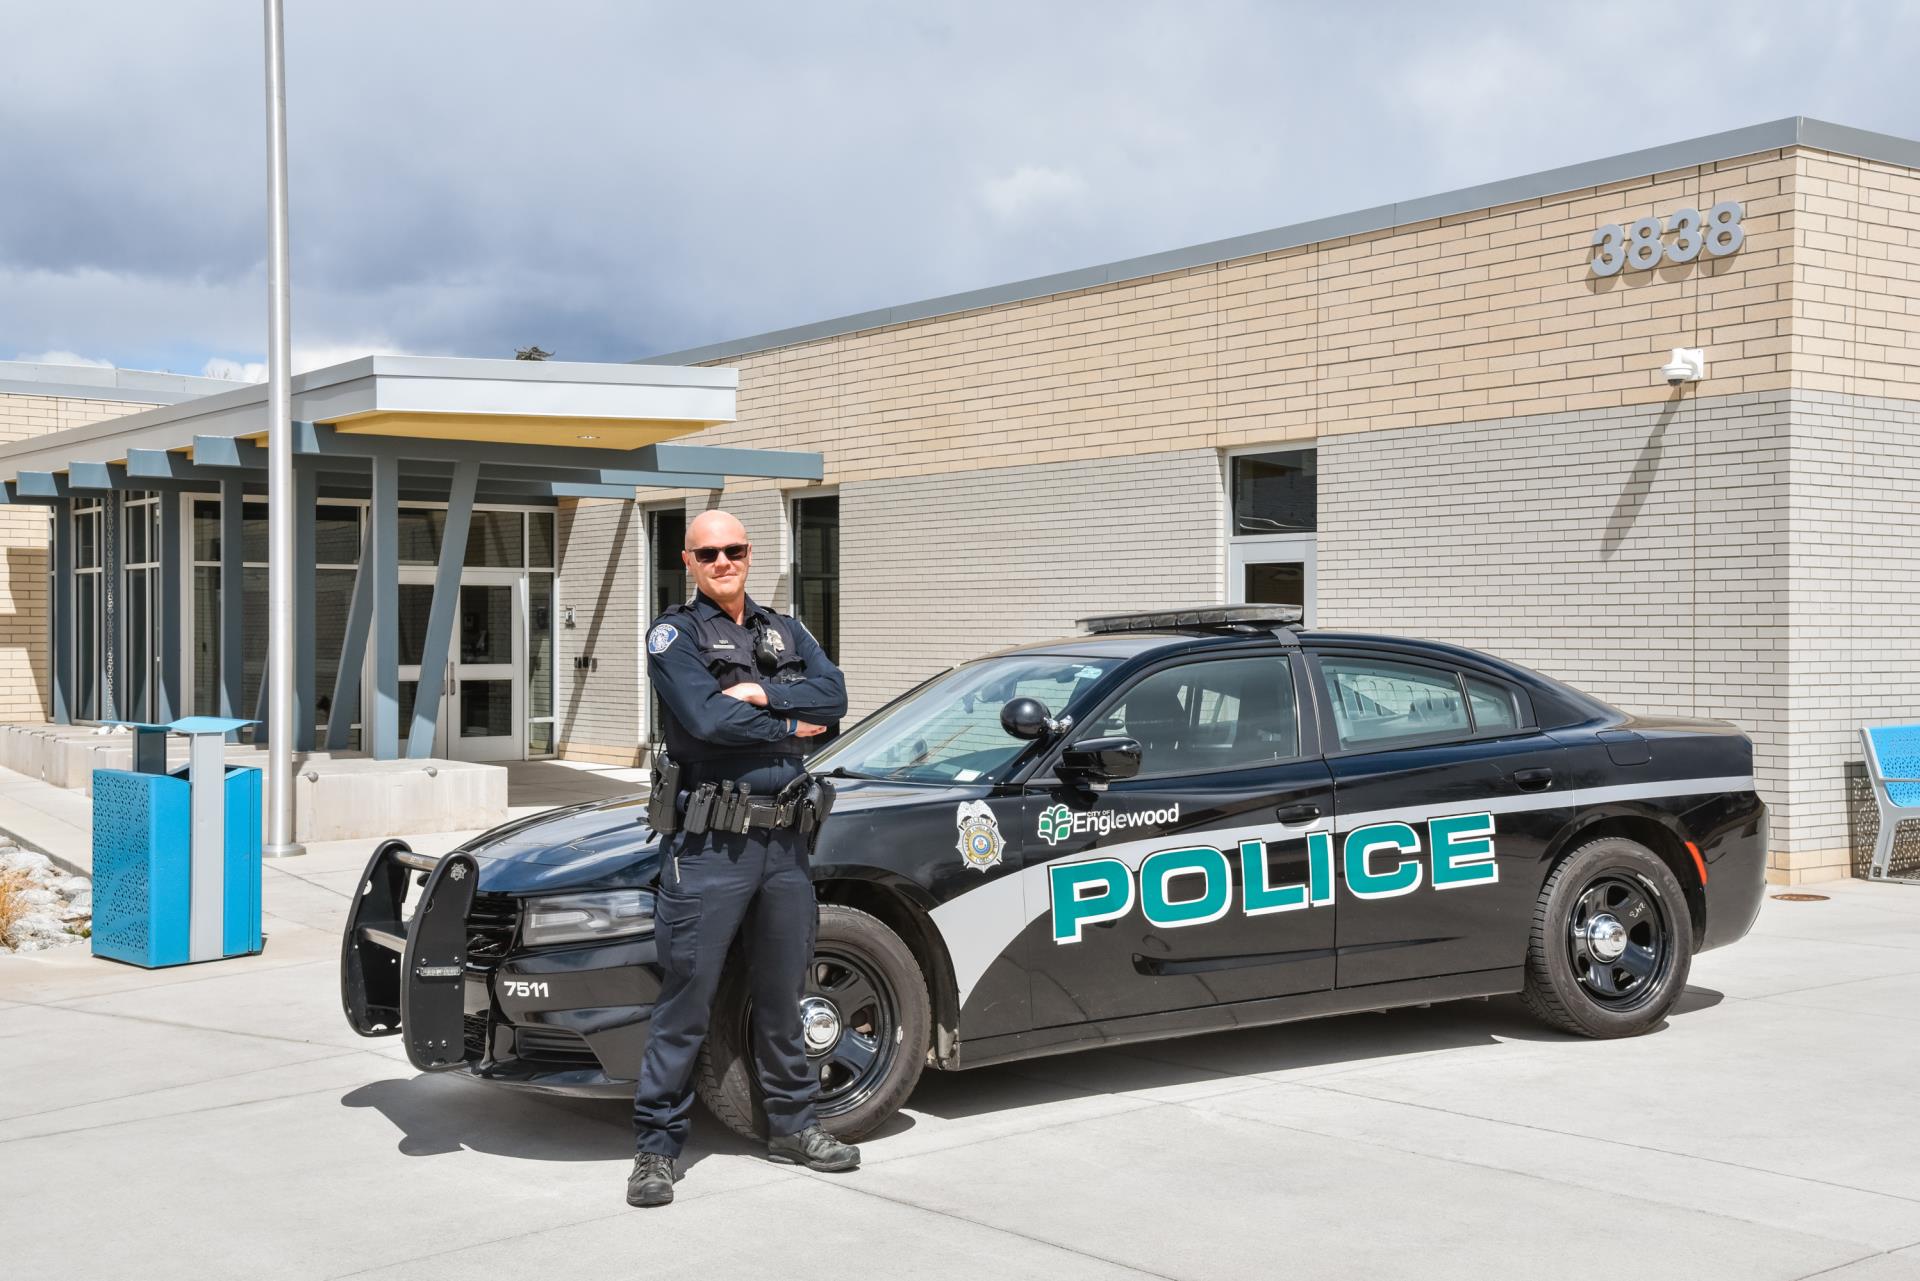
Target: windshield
column 949, row 730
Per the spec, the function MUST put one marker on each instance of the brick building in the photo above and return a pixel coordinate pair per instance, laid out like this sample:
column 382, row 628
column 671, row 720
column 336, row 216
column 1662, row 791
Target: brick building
column 1444, row 417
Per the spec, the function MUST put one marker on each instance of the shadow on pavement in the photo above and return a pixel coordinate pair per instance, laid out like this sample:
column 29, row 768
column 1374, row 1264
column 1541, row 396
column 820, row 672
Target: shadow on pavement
column 545, row 783
column 440, row 1113
column 1350, row 1039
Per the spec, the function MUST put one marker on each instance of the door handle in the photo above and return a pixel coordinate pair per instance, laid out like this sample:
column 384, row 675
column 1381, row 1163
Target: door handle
column 1295, row 815
column 1532, row 780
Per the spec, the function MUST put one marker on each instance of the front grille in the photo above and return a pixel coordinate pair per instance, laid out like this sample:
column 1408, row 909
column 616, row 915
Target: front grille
column 491, row 923
column 476, row 1036
column 555, row 1046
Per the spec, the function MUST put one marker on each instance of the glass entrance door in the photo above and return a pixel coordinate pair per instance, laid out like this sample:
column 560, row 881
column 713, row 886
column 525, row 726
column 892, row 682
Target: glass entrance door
column 483, row 689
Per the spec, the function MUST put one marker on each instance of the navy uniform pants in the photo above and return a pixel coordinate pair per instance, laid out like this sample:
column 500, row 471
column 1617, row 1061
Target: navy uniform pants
column 726, row 883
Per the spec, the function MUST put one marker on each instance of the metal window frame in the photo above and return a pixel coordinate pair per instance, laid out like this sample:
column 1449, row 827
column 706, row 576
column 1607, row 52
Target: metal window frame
column 189, row 563
column 1302, row 547
column 791, row 534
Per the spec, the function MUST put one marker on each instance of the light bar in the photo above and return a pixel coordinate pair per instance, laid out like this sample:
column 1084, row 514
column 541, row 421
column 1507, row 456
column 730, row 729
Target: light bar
column 1237, row 617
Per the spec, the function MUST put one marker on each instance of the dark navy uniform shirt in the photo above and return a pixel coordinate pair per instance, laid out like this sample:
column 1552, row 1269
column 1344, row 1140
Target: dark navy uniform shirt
column 695, row 651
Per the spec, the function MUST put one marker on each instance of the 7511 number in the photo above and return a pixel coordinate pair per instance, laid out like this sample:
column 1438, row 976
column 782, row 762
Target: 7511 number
column 1639, row 245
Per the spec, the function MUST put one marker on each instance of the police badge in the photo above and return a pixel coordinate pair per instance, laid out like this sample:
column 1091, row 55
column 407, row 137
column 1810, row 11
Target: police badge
column 980, row 841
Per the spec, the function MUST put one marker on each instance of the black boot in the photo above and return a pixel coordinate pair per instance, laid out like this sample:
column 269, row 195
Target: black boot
column 651, row 1182
column 814, row 1148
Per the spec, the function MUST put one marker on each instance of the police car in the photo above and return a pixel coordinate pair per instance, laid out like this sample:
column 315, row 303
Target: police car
column 1174, row 823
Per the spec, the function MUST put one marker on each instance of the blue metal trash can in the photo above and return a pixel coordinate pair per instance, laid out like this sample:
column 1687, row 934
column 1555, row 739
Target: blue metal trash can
column 176, row 855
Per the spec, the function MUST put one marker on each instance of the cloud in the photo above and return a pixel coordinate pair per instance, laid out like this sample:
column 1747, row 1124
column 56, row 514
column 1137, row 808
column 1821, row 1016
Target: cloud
column 63, row 358
column 1030, row 191
column 252, row 371
column 481, row 185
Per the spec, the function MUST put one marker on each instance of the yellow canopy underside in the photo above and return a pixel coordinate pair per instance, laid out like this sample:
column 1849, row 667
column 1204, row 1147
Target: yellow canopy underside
column 521, row 429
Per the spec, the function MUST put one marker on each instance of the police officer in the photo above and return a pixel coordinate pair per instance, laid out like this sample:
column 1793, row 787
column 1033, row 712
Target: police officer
column 744, row 689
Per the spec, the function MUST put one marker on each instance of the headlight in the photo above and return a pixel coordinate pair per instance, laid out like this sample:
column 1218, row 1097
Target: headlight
column 582, row 918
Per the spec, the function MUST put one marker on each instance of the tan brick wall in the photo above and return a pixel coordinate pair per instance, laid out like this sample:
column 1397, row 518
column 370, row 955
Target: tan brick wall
column 25, row 684
column 1485, row 315
column 1856, row 277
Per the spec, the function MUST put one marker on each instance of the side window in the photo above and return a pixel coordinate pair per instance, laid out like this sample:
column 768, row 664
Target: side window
column 1220, row 714
column 1494, row 705
column 1378, row 702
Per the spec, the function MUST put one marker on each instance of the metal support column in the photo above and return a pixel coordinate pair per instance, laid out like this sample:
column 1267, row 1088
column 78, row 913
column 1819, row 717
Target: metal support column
column 345, row 709
column 446, row 603
column 305, row 607
column 232, row 598
column 113, row 667
column 381, row 720
column 171, row 608
column 60, row 616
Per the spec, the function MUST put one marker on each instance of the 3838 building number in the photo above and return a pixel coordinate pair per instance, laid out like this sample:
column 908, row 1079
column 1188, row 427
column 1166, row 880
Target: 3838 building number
column 1639, row 244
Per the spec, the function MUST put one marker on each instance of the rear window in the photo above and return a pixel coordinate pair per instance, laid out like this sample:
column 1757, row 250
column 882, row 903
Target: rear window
column 1378, row 701
column 1495, row 707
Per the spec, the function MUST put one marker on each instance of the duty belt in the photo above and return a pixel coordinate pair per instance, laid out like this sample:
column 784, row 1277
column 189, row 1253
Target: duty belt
column 730, row 807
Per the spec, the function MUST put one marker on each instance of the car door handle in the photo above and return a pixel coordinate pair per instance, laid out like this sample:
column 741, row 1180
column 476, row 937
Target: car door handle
column 1532, row 780
column 1295, row 815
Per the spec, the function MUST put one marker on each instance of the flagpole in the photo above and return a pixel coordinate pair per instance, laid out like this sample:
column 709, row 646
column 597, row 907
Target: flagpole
column 280, row 498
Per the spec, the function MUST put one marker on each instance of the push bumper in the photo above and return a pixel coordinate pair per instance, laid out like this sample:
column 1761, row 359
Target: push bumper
column 564, row 1020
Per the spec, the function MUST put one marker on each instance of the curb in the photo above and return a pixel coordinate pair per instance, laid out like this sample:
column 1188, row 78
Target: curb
column 66, row 865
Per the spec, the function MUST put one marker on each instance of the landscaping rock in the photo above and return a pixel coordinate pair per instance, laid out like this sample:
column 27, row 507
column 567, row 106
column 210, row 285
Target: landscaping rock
column 51, row 904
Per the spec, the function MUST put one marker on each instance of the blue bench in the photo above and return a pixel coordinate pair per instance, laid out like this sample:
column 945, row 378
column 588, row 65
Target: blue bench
column 1893, row 767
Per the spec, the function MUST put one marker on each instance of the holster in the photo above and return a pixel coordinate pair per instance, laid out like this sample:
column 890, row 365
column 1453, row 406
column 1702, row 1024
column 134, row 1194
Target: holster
column 815, row 803
column 663, row 815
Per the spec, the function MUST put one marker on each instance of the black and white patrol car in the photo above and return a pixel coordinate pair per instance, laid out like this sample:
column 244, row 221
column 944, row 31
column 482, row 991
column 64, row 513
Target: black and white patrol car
column 1174, row 823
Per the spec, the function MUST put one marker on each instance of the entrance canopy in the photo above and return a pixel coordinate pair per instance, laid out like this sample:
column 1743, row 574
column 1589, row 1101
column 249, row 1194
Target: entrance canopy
column 533, row 428
column 382, row 430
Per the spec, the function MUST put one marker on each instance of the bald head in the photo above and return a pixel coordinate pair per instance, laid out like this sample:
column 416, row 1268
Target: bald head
column 722, row 573
column 715, row 529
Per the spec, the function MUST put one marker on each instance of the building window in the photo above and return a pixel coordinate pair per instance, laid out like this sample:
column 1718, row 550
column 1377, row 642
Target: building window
column 89, row 606
column 816, row 569
column 337, row 542
column 1275, row 493
column 1273, row 510
column 666, row 538
column 140, row 525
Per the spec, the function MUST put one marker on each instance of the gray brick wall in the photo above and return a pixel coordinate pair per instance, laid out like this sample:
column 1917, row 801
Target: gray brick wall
column 1640, row 554
column 938, row 569
column 1855, row 645
column 597, row 715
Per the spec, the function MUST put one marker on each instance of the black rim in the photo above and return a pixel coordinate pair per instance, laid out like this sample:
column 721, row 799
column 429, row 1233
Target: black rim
column 853, row 1067
column 1620, row 941
column 858, row 1061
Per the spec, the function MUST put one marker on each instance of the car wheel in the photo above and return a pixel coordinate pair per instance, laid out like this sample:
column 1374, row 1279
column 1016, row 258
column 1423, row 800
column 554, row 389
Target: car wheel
column 1612, row 941
column 867, row 1022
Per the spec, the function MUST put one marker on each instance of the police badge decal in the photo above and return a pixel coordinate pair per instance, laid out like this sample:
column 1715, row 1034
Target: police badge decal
column 980, row 840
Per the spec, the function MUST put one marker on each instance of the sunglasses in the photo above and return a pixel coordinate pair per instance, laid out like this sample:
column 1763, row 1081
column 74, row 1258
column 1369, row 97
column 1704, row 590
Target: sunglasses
column 734, row 551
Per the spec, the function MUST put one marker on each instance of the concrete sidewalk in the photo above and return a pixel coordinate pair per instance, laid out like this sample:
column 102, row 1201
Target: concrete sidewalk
column 58, row 821
column 222, row 1121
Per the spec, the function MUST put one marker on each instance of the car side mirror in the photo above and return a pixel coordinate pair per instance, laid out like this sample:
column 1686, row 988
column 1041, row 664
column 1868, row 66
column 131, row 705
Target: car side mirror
column 1100, row 760
column 1025, row 718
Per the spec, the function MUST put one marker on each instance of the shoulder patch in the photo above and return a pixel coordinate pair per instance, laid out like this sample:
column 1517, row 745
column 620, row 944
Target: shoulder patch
column 661, row 637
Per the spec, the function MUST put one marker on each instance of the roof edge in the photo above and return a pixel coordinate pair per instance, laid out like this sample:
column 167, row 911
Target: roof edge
column 105, row 382
column 1772, row 135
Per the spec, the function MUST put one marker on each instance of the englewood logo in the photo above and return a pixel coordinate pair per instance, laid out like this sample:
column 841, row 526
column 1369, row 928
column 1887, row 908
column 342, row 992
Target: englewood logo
column 1057, row 822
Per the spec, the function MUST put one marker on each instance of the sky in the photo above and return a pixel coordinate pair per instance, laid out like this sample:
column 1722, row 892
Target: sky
column 614, row 180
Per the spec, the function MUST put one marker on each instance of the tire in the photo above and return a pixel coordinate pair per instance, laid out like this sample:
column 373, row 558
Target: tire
column 871, row 981
column 1586, row 977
